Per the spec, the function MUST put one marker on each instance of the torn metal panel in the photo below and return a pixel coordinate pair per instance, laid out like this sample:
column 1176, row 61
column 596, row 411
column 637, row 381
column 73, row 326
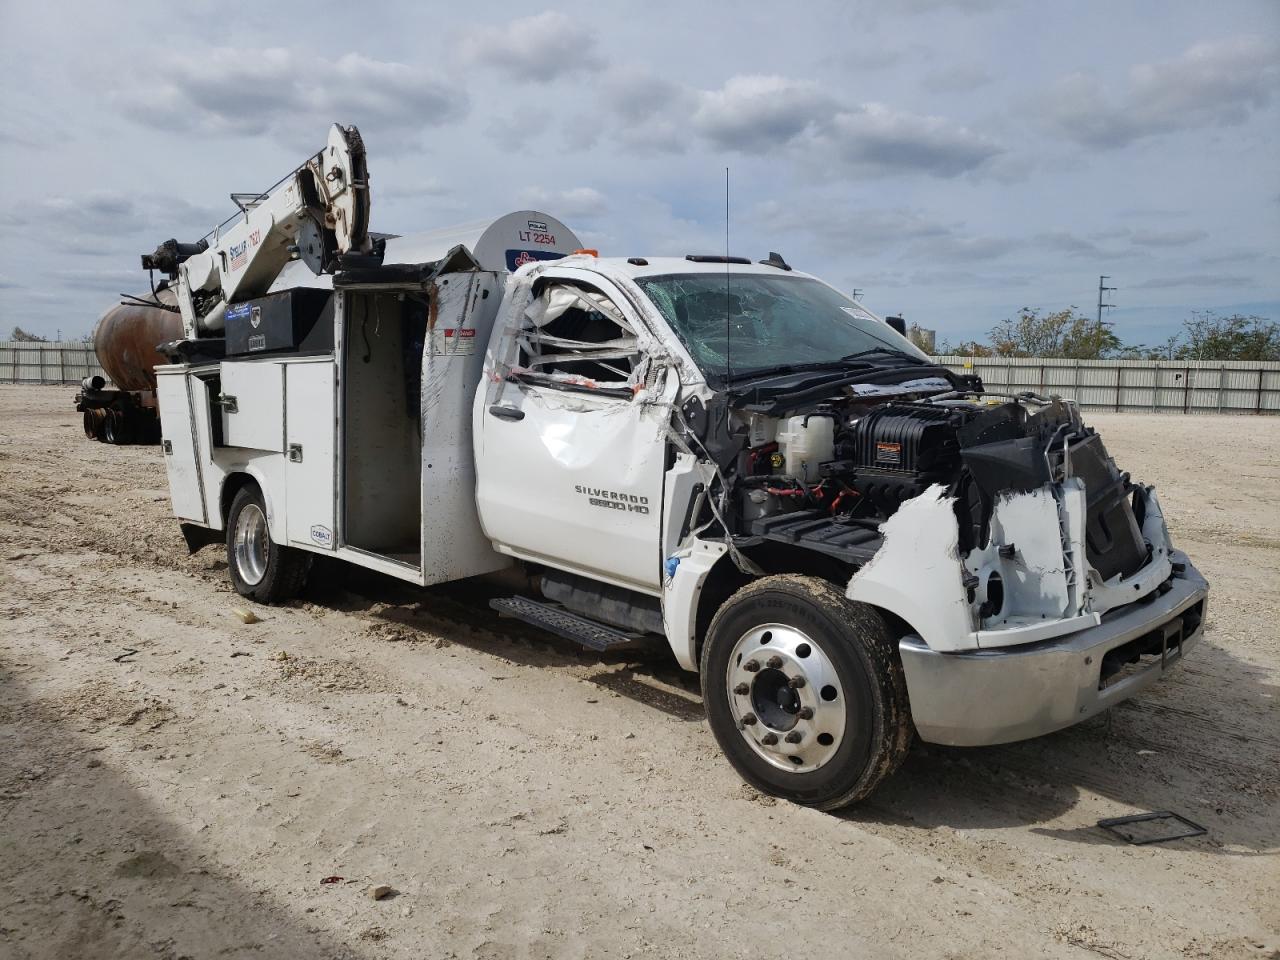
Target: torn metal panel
column 1024, row 589
column 917, row 574
column 557, row 298
column 1104, row 595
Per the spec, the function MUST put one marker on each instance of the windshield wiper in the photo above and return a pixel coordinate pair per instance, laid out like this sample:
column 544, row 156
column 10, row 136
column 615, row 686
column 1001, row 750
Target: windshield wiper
column 782, row 368
column 886, row 352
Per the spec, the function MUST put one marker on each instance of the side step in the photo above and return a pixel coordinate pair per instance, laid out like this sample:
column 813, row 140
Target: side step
column 557, row 620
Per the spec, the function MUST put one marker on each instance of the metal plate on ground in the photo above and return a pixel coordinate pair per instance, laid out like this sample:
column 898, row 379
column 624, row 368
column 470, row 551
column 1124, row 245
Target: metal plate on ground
column 1156, row 827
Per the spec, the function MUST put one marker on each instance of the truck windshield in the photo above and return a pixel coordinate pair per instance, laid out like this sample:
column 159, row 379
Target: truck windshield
column 756, row 322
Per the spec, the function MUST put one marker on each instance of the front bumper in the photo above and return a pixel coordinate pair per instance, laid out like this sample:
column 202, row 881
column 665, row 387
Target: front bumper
column 980, row 697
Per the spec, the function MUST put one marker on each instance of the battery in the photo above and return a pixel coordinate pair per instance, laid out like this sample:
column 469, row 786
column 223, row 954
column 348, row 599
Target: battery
column 291, row 321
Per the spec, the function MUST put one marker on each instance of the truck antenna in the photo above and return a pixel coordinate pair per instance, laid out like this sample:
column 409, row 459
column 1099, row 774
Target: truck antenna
column 728, row 348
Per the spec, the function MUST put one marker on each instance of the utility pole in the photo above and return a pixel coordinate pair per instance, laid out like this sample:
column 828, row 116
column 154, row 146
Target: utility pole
column 1103, row 290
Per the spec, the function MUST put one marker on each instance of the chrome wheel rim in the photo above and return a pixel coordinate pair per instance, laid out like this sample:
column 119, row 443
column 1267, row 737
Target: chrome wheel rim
column 785, row 697
column 251, row 544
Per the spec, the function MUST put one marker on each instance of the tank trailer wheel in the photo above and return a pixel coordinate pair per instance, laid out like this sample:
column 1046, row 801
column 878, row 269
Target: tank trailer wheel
column 804, row 691
column 94, row 423
column 115, row 429
column 261, row 569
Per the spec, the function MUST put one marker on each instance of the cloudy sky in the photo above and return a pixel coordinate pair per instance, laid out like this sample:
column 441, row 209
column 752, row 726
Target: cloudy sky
column 953, row 160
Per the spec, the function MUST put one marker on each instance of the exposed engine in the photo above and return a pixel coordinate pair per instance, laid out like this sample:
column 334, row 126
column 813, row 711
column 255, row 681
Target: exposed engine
column 827, row 478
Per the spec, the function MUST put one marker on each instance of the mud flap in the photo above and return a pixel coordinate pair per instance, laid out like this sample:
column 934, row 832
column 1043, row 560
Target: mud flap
column 197, row 536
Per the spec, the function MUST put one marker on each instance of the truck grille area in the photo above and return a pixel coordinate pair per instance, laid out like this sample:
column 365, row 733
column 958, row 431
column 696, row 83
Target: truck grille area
column 1113, row 540
column 1161, row 644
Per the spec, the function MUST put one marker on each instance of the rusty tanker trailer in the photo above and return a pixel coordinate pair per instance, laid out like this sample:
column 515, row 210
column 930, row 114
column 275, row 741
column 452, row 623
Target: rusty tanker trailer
column 125, row 340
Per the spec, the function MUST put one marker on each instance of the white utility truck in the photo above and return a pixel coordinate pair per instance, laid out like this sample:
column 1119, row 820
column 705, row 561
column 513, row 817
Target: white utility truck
column 849, row 543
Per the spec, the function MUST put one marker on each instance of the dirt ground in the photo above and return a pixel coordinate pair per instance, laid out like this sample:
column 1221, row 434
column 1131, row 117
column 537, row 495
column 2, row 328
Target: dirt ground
column 176, row 783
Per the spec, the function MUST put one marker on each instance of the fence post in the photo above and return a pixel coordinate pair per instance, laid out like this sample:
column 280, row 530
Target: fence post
column 1155, row 389
column 1258, row 406
column 1119, row 370
column 1222, row 384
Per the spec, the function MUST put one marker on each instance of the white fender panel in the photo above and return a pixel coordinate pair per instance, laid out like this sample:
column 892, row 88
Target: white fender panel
column 680, row 595
column 268, row 472
column 917, row 573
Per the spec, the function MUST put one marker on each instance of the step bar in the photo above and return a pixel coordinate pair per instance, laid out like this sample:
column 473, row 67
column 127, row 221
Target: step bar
column 555, row 619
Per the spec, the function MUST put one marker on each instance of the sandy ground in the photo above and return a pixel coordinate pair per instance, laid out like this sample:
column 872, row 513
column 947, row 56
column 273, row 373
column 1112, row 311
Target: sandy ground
column 524, row 798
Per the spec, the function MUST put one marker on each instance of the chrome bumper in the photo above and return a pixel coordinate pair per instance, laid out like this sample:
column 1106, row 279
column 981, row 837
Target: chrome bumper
column 1000, row 695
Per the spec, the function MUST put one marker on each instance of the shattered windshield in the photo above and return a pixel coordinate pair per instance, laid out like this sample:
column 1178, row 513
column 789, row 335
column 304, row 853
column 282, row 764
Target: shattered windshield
column 771, row 321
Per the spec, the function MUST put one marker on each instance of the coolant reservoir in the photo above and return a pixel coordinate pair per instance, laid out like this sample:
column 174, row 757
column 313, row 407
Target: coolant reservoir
column 805, row 446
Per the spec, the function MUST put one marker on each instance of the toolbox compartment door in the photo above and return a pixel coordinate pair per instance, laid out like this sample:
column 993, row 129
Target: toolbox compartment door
column 310, row 462
column 253, row 404
column 178, row 433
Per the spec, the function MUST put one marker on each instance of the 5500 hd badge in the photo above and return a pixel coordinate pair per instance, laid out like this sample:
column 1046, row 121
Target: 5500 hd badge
column 612, row 500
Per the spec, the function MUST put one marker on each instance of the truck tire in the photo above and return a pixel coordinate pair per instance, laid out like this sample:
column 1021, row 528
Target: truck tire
column 261, row 569
column 115, row 428
column 804, row 691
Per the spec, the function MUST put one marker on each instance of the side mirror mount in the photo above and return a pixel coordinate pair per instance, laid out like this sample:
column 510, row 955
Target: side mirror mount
column 898, row 324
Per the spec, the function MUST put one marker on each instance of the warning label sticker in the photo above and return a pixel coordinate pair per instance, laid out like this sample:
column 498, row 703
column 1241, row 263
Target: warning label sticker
column 453, row 340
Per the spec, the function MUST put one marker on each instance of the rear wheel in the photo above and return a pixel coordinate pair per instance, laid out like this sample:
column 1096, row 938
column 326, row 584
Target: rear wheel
column 92, row 423
column 115, row 427
column 261, row 569
column 804, row 691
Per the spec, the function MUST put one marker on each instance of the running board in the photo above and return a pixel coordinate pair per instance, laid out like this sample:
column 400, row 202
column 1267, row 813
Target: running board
column 557, row 620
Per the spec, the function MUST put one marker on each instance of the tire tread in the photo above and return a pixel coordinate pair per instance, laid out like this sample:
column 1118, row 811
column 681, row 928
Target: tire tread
column 894, row 729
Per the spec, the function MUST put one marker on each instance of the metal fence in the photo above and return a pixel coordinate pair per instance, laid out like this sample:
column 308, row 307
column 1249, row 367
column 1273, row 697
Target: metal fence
column 1193, row 386
column 34, row 362
column 1155, row 386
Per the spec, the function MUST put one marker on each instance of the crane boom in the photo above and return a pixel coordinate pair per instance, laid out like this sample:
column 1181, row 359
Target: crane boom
column 316, row 213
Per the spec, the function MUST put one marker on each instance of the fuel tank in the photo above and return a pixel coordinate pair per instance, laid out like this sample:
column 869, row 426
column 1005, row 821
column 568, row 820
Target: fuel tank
column 125, row 340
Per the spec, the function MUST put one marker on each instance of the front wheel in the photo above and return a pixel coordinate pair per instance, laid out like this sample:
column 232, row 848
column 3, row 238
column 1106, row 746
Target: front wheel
column 261, row 569
column 804, row 691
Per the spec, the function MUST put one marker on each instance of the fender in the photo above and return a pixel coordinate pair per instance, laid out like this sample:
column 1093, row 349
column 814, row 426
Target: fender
column 681, row 591
column 275, row 505
column 916, row 574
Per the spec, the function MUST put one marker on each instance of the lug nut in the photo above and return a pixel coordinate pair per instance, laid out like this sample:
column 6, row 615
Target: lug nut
column 769, row 739
column 795, row 683
column 775, row 663
column 748, row 719
column 794, row 737
column 742, row 689
column 805, row 713
column 751, row 666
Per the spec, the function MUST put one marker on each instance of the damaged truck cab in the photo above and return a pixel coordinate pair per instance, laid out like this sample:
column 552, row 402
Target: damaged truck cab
column 849, row 543
column 845, row 540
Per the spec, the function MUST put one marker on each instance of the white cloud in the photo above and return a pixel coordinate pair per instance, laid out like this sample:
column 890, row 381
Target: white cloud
column 540, row 48
column 880, row 140
column 757, row 114
column 574, row 202
column 1214, row 84
column 765, row 114
column 225, row 91
column 78, row 222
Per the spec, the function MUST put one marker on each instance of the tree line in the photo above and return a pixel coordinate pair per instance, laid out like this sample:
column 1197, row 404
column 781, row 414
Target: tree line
column 1071, row 335
column 25, row 336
